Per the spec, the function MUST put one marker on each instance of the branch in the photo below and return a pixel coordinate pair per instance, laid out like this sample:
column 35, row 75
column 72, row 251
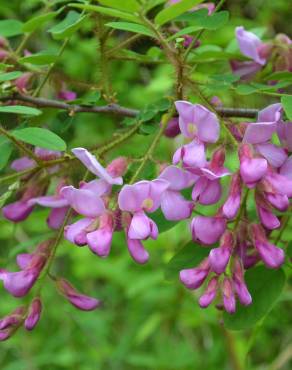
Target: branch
column 113, row 108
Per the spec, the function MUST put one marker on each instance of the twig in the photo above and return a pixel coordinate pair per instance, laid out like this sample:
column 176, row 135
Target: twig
column 113, row 108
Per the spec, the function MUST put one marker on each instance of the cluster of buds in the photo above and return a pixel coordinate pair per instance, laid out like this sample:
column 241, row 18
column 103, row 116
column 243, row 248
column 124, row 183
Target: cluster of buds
column 278, row 51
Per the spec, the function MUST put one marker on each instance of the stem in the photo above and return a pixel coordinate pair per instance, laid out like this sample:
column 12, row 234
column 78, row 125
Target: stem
column 285, row 223
column 38, row 90
column 152, row 147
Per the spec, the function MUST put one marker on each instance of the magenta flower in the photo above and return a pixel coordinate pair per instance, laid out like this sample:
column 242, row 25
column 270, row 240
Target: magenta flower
column 144, row 196
column 100, row 240
column 22, row 82
column 208, row 230
column 207, row 189
column 193, row 278
column 92, row 164
column 78, row 300
column 19, row 283
column 219, row 257
column 284, row 130
column 245, row 70
column 67, row 95
column 250, row 45
column 196, row 121
column 252, row 170
column 272, row 256
column 209, row 294
column 34, row 314
column 240, row 285
column 9, row 324
column 172, row 129
column 232, row 203
column 191, row 155
column 228, row 295
column 266, row 216
column 173, row 205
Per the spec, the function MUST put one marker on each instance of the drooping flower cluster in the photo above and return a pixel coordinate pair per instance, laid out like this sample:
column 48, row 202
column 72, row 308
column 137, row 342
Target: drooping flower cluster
column 198, row 168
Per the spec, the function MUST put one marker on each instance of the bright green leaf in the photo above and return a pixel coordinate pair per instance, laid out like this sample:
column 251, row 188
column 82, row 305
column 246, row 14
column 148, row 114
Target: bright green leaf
column 67, row 26
column 125, row 5
column 265, row 286
column 38, row 21
column 189, row 256
column 10, row 27
column 10, row 76
column 41, row 58
column 173, row 11
column 287, row 105
column 131, row 27
column 108, row 11
column 20, row 109
column 40, row 137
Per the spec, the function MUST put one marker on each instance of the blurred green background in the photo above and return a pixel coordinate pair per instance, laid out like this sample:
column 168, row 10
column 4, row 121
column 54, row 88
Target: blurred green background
column 146, row 322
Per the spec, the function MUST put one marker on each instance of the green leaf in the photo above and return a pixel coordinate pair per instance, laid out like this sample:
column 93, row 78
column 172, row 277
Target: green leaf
column 70, row 24
column 40, row 137
column 5, row 151
column 108, row 11
column 187, row 257
column 152, row 4
column 287, row 105
column 20, row 109
column 41, row 58
column 173, row 11
column 10, row 27
column 131, row 27
column 265, row 286
column 10, row 76
column 126, row 5
column 280, row 76
column 215, row 21
column 38, row 21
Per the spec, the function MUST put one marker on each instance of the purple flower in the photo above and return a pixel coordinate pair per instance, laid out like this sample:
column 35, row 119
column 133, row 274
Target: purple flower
column 232, row 203
column 209, row 294
column 137, row 250
column 191, row 155
column 252, row 170
column 284, row 130
column 34, row 314
column 20, row 283
column 228, row 295
column 239, row 284
column 80, row 301
column 286, row 169
column 272, row 256
column 195, row 121
column 172, row 129
column 67, row 95
column 250, row 45
column 261, row 131
column 173, row 205
column 100, row 240
column 9, row 324
column 208, row 230
column 92, row 164
column 17, row 211
column 22, row 82
column 193, row 278
column 267, row 218
column 219, row 257
column 245, row 70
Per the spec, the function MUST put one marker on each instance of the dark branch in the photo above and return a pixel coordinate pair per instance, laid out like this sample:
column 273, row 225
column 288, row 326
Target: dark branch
column 113, row 108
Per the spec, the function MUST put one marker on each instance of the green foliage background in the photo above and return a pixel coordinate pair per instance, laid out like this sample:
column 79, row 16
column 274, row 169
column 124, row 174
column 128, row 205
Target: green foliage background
column 146, row 322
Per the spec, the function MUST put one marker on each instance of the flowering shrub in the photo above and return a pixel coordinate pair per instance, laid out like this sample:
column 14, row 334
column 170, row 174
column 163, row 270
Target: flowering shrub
column 228, row 175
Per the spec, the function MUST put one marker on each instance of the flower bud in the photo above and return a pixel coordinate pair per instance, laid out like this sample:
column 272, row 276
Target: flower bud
column 193, row 278
column 34, row 314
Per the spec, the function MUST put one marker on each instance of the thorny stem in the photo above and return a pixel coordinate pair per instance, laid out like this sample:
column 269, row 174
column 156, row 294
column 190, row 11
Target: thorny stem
column 123, row 44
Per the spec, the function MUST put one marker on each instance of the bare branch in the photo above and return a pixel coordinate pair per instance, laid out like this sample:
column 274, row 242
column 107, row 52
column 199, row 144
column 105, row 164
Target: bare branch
column 113, row 108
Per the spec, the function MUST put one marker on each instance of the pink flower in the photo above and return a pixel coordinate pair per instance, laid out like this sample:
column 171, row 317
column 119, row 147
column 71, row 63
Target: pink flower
column 228, row 295
column 209, row 294
column 80, row 301
column 196, row 121
column 173, row 205
column 193, row 278
column 239, row 284
column 250, row 45
column 272, row 256
column 232, row 203
column 208, row 230
column 219, row 257
column 34, row 314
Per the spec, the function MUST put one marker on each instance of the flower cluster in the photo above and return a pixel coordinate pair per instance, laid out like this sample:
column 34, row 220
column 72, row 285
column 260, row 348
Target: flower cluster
column 104, row 206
